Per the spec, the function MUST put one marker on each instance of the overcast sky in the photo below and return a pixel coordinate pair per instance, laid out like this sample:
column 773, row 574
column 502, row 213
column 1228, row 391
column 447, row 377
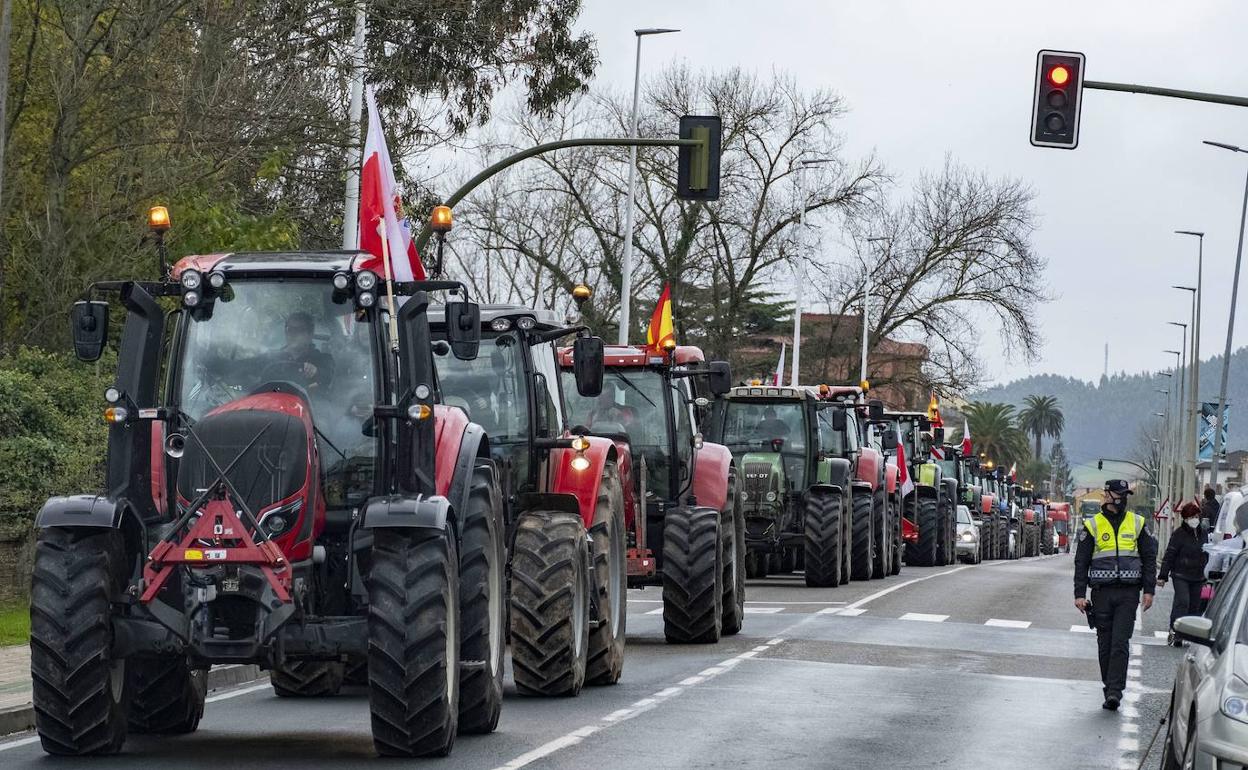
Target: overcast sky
column 923, row 79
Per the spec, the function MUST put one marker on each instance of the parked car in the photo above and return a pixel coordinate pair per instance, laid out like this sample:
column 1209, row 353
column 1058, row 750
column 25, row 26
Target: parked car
column 968, row 537
column 1208, row 725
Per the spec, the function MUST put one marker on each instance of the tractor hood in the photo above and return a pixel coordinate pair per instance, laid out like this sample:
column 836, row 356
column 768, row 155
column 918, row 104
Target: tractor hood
column 762, row 480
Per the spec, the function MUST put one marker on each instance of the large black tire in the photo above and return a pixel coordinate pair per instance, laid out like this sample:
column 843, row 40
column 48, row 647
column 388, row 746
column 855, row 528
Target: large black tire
column 732, row 529
column 693, row 611
column 822, row 551
column 355, row 673
column 925, row 552
column 413, row 642
column 550, row 604
column 166, row 695
column 863, row 537
column 945, row 548
column 80, row 697
column 482, row 604
column 307, row 678
column 883, row 532
column 608, row 559
column 1003, row 538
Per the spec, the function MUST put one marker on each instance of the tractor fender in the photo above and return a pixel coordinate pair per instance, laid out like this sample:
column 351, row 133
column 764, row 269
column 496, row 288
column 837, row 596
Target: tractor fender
column 711, row 464
column 861, row 488
column 402, row 511
column 582, row 485
column 450, row 424
column 839, row 471
column 890, row 478
column 79, row 511
column 869, row 467
column 473, row 446
column 951, row 489
column 928, row 479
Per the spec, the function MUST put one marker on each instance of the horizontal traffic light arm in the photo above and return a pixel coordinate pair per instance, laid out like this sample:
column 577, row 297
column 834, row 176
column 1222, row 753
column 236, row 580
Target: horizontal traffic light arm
column 1175, row 93
column 425, row 231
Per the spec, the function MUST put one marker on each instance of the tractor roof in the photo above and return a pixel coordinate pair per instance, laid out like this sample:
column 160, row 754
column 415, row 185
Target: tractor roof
column 291, row 263
column 621, row 356
column 545, row 319
column 768, row 392
column 905, row 415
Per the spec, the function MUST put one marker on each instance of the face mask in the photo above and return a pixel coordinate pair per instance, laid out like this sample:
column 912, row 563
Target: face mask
column 1193, row 522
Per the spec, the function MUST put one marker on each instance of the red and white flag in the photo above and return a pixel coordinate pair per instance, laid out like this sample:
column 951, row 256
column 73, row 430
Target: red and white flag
column 380, row 204
column 903, row 471
column 778, row 379
column 966, row 439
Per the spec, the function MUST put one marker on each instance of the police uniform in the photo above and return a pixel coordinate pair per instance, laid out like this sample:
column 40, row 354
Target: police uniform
column 1117, row 558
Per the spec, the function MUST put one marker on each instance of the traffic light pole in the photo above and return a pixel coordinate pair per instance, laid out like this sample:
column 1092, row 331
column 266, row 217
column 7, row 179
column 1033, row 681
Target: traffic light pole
column 1174, row 93
column 426, row 231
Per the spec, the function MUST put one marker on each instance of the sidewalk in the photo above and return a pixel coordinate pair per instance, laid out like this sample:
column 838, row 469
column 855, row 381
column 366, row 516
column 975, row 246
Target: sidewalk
column 14, row 676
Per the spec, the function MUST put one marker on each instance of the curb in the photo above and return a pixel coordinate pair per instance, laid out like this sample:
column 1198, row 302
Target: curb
column 16, row 719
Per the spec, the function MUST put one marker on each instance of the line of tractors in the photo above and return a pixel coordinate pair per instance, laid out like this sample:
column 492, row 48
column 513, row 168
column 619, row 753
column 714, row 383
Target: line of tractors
column 319, row 470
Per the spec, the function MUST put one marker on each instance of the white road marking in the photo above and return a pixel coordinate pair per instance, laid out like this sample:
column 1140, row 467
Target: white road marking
column 1082, row 629
column 1008, row 623
column 890, row 589
column 748, row 601
column 691, row 681
column 658, row 611
column 924, row 617
column 19, row 742
column 762, row 610
column 236, row 693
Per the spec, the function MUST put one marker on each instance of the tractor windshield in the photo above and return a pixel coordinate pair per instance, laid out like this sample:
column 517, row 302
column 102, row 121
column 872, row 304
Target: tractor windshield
column 262, row 331
column 769, row 426
column 489, row 388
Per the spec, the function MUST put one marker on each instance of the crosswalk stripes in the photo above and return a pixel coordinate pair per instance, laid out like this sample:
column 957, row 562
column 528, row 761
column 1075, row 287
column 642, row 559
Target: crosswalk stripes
column 1008, row 623
column 925, row 617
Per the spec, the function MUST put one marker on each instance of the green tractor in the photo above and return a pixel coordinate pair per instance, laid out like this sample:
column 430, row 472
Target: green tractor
column 934, row 503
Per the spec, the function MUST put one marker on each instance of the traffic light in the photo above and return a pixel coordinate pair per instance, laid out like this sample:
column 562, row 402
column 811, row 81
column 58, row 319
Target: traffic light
column 697, row 168
column 1055, row 107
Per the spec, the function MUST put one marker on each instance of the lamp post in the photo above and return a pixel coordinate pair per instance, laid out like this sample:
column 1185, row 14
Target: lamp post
column 1230, row 328
column 1172, row 423
column 1193, row 395
column 1180, row 422
column 798, row 273
column 626, row 269
column 1193, row 382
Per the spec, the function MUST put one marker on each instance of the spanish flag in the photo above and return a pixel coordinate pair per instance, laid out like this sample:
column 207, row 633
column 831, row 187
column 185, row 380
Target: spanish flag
column 661, row 328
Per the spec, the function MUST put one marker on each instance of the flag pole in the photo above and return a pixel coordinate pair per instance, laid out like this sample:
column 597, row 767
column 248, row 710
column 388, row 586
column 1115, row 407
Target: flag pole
column 385, row 262
column 351, row 201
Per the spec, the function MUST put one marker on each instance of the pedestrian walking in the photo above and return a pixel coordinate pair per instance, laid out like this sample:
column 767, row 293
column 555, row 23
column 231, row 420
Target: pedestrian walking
column 1184, row 560
column 1209, row 508
column 1117, row 558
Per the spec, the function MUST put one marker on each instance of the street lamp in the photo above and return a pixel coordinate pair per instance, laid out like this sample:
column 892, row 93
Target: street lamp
column 1171, row 433
column 626, row 279
column 1193, row 396
column 1230, row 327
column 798, row 272
column 1180, row 427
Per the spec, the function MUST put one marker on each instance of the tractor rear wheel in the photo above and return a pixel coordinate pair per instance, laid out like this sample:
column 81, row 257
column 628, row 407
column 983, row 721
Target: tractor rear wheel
column 943, row 542
column 607, row 559
column 550, row 603
column 413, row 642
column 307, row 678
column 732, row 528
column 925, row 552
column 80, row 697
column 166, row 695
column 693, row 611
column 882, row 558
column 822, row 552
column 862, row 537
column 482, row 604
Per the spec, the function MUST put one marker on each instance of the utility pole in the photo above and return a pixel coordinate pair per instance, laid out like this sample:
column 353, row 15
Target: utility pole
column 351, row 202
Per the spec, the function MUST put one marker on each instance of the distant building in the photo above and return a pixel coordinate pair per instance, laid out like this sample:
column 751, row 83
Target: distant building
column 831, row 353
column 1231, row 471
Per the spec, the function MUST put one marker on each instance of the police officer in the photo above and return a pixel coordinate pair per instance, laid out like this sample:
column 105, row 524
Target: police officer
column 1117, row 557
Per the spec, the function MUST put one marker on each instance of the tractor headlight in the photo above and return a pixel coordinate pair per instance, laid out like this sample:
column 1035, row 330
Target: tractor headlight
column 745, row 496
column 580, row 463
column 366, row 299
column 216, row 279
column 341, row 281
column 190, row 298
column 278, row 520
column 771, row 497
column 191, row 279
column 526, row 322
column 275, row 524
column 112, row 394
column 1235, row 699
column 500, row 324
column 366, row 280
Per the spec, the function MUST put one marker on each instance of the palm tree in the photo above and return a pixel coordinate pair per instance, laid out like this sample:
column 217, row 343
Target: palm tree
column 995, row 432
column 1041, row 417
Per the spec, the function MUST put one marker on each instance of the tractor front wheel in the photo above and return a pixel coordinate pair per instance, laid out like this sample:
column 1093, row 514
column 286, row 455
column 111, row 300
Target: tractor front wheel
column 732, row 529
column 693, row 610
column 166, row 695
column 80, row 689
column 413, row 642
column 863, row 536
column 925, row 552
column 307, row 678
column 822, row 552
column 482, row 604
column 608, row 560
column 550, row 604
column 882, row 558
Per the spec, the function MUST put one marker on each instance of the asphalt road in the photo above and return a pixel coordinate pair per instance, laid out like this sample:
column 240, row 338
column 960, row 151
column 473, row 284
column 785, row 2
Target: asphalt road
column 968, row 666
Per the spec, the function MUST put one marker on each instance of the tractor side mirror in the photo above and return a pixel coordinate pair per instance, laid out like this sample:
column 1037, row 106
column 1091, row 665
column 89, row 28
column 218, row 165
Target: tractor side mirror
column 720, row 379
column 925, row 424
column 588, row 356
column 890, row 440
column 938, row 435
column 463, row 328
column 875, row 409
column 839, row 421
column 89, row 321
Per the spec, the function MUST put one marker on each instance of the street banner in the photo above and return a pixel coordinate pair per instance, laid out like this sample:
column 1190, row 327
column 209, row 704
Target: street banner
column 1208, row 413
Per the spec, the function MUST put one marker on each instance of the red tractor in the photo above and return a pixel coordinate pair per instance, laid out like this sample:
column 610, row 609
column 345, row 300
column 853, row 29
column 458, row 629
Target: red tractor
column 566, row 496
column 685, row 528
column 282, row 490
column 1059, row 514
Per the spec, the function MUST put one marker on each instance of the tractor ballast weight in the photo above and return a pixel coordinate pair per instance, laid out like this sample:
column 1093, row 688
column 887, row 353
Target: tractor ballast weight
column 262, row 510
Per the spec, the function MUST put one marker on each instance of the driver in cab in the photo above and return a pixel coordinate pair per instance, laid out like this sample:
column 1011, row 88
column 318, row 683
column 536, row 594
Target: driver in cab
column 772, row 427
column 315, row 365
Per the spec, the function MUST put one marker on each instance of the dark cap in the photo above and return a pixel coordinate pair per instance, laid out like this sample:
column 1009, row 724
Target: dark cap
column 1118, row 487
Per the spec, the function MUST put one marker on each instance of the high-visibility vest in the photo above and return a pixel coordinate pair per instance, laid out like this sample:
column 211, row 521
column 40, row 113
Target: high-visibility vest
column 1116, row 558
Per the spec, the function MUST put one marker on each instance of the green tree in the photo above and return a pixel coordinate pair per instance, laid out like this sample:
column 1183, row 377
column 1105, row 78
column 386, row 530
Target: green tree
column 995, row 432
column 1060, row 471
column 1041, row 417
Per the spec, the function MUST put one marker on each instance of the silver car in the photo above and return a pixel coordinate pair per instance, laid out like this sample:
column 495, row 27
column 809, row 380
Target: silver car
column 1208, row 726
column 968, row 536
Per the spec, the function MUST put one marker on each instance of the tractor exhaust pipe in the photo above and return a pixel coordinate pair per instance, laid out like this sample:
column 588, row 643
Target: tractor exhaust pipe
column 175, row 445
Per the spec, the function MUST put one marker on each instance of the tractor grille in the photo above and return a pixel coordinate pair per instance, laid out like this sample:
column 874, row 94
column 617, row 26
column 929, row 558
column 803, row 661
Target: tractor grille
column 273, row 469
column 756, row 482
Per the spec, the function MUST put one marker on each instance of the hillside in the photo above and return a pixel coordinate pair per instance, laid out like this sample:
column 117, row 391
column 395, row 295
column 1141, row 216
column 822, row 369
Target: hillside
column 1105, row 419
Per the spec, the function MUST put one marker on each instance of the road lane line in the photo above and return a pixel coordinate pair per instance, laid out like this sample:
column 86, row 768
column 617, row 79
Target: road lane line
column 762, row 610
column 1083, row 629
column 924, row 617
column 236, row 693
column 658, row 611
column 1008, row 623
column 890, row 589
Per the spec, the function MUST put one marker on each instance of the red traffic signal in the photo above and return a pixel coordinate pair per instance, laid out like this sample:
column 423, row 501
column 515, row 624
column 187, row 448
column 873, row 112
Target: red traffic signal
column 1055, row 103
